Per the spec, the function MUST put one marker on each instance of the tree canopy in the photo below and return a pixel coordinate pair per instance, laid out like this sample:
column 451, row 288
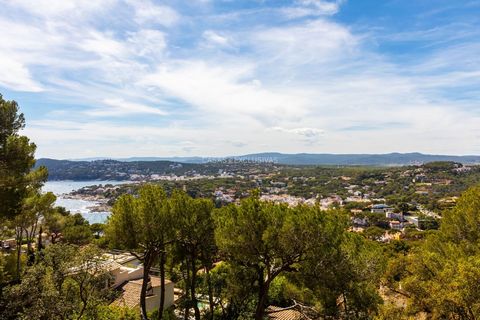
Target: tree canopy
column 17, row 158
column 440, row 278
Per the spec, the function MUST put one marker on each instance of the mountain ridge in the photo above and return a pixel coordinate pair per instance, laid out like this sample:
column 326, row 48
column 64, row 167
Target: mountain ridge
column 386, row 159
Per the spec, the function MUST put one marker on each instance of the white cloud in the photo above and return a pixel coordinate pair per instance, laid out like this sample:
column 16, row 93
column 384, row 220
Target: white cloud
column 16, row 76
column 148, row 43
column 119, row 107
column 224, row 89
column 60, row 8
column 103, row 45
column 146, row 12
column 306, row 132
column 307, row 43
column 215, row 38
column 312, row 8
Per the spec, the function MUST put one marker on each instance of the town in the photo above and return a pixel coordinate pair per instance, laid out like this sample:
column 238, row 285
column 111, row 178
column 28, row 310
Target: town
column 389, row 199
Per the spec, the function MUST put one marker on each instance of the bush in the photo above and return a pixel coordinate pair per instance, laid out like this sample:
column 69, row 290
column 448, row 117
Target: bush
column 117, row 313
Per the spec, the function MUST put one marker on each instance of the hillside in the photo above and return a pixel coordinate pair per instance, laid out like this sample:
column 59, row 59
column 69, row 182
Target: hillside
column 389, row 159
column 143, row 170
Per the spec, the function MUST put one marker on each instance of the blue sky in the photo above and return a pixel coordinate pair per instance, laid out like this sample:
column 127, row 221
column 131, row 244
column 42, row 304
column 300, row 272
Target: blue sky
column 122, row 78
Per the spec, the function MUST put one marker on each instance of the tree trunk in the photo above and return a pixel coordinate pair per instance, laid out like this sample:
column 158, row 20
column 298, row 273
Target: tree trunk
column 30, row 240
column 18, row 239
column 83, row 299
column 262, row 296
column 40, row 244
column 187, row 289
column 162, row 285
column 210, row 292
column 143, row 293
column 31, row 234
column 193, row 287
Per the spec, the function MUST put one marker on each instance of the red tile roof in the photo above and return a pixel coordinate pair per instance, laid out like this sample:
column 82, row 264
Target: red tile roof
column 277, row 313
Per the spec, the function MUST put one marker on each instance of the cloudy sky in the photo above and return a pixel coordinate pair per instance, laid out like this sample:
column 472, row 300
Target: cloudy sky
column 122, row 78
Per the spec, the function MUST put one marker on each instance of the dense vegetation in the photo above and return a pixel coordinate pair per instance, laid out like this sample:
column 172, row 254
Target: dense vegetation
column 120, row 170
column 242, row 257
column 440, row 277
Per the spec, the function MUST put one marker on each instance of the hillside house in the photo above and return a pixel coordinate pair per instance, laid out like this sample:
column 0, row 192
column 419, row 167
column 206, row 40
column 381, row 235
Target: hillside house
column 130, row 294
column 128, row 281
column 381, row 208
column 394, row 215
column 396, row 225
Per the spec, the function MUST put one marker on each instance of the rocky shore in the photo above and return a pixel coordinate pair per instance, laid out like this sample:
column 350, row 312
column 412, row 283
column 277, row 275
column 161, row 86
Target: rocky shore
column 100, row 202
column 95, row 194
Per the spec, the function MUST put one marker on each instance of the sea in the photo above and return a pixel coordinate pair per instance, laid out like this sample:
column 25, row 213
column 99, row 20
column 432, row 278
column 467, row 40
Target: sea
column 63, row 187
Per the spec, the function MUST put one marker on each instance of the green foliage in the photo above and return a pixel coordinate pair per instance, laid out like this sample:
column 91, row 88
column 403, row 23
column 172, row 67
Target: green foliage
column 144, row 226
column 7, row 268
column 140, row 222
column 400, row 246
column 278, row 292
column 349, row 272
column 68, row 282
column 442, row 275
column 356, row 205
column 16, row 161
column 77, row 234
column 363, row 264
column 124, row 224
column 442, row 166
column 261, row 241
column 378, row 220
column 391, row 311
column 77, row 230
column 97, row 229
column 460, row 224
column 115, row 313
column 55, row 222
column 167, row 315
column 194, row 241
column 373, row 233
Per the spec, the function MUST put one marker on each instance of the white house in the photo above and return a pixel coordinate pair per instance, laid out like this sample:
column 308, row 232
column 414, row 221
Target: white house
column 130, row 294
column 394, row 215
column 381, row 208
column 128, row 281
column 396, row 225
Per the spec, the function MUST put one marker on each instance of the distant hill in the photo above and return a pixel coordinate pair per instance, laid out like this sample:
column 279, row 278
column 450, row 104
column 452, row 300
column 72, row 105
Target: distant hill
column 140, row 170
column 136, row 168
column 136, row 159
column 109, row 169
column 390, row 159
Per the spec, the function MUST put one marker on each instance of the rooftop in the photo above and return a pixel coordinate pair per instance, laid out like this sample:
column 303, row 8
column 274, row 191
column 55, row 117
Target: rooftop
column 130, row 296
column 380, row 206
column 130, row 292
column 277, row 313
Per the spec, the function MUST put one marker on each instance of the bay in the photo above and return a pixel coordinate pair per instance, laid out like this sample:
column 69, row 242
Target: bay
column 62, row 187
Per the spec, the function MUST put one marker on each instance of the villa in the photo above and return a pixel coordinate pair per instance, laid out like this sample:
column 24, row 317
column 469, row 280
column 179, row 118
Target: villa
column 126, row 278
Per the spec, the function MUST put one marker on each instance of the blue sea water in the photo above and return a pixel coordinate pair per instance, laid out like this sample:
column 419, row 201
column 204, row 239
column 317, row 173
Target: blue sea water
column 60, row 188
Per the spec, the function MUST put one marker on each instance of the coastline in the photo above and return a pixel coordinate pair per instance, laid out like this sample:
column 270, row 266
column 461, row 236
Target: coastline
column 84, row 197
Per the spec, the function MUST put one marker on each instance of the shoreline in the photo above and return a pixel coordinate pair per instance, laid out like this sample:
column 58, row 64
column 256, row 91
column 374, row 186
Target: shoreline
column 99, row 203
